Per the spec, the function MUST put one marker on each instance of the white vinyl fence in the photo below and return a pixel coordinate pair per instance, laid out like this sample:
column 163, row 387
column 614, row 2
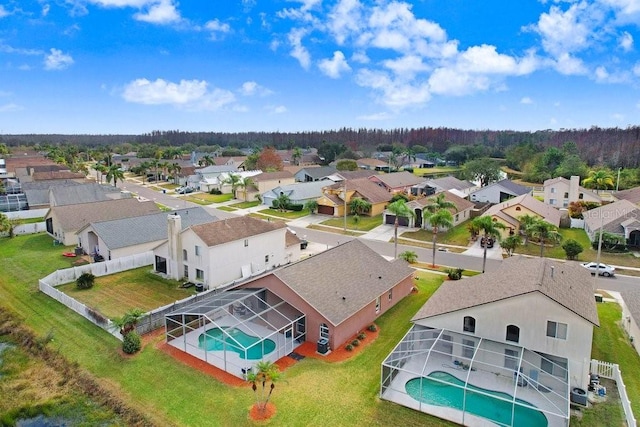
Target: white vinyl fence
column 612, row 371
column 48, row 284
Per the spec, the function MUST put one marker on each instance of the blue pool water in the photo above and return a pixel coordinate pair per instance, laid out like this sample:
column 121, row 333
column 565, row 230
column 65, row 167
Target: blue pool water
column 441, row 394
column 217, row 340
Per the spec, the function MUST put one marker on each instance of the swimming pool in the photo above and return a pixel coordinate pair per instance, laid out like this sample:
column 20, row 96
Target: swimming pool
column 442, row 394
column 217, row 340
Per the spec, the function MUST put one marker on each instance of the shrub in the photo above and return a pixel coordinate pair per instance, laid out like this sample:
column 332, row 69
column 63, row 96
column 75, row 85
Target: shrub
column 372, row 328
column 348, row 347
column 410, row 256
column 355, row 343
column 454, row 273
column 215, row 191
column 572, row 248
column 131, row 343
column 362, row 336
column 85, row 281
column 295, row 207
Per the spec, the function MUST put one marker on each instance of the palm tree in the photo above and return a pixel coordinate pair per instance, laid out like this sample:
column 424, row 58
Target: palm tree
column 296, row 155
column 398, row 208
column 311, row 205
column 245, row 183
column 100, row 169
column 128, row 322
column 544, row 232
column 511, row 243
column 526, row 221
column 115, row 173
column 282, row 202
column 438, row 215
column 5, row 224
column 489, row 228
column 600, row 179
column 206, row 160
column 359, row 205
column 174, row 169
column 234, row 180
column 262, row 373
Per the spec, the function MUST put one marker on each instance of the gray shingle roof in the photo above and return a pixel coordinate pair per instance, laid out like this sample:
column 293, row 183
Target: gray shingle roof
column 570, row 287
column 512, row 187
column 232, row 229
column 75, row 217
column 613, row 215
column 321, row 172
column 336, row 286
column 451, row 183
column 124, row 232
column 632, row 301
column 399, row 179
column 301, row 190
column 632, row 195
column 85, row 193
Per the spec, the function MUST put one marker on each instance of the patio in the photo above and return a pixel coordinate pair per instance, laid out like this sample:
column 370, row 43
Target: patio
column 473, row 368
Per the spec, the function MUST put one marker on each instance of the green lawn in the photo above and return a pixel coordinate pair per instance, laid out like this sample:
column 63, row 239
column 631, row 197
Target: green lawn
column 284, row 215
column 458, row 235
column 245, row 205
column 206, row 198
column 436, row 171
column 116, row 294
column 364, row 223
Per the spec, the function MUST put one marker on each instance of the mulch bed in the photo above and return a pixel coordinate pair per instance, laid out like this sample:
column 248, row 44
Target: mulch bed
column 307, row 349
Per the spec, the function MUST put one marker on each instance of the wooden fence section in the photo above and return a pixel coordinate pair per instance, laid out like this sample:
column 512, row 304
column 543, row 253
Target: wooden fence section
column 612, row 371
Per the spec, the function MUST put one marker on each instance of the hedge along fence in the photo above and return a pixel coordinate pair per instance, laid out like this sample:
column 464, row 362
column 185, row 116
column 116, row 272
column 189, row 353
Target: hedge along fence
column 47, row 285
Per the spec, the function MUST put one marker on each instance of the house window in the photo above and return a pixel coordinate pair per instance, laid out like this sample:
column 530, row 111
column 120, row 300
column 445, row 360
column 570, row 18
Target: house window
column 513, row 333
column 197, row 250
column 199, row 274
column 266, row 259
column 565, row 203
column 457, row 217
column 553, row 190
column 390, row 294
column 246, row 242
column 581, row 196
column 378, row 305
column 184, row 254
column 324, row 331
column 518, row 208
column 555, row 366
column 468, row 347
column 566, row 195
column 469, row 324
column 185, row 273
column 552, row 201
column 557, row 330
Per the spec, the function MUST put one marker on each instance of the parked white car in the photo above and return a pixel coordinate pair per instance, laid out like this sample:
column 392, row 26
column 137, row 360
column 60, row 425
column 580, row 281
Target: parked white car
column 602, row 269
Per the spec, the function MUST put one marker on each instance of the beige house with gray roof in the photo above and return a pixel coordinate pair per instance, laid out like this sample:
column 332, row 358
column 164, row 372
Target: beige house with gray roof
column 509, row 211
column 543, row 305
column 621, row 218
column 219, row 253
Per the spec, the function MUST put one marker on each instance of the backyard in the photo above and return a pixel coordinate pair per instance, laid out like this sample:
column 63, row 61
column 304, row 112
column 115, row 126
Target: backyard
column 305, row 396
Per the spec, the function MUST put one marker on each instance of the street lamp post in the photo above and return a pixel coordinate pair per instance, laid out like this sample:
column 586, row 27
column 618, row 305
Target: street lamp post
column 345, row 206
column 618, row 180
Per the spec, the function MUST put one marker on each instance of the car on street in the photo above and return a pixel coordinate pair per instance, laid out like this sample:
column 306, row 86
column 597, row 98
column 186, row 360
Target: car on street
column 601, row 269
column 488, row 241
column 184, row 190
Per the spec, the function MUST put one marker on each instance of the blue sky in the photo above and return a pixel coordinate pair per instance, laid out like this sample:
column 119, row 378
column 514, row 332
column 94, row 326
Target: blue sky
column 134, row 66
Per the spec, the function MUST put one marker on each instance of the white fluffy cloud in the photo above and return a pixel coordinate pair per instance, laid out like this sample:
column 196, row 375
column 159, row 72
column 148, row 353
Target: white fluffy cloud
column 57, row 60
column 152, row 11
column 3, row 12
column 215, row 26
column 625, row 41
column 526, row 100
column 335, row 66
column 190, row 94
column 252, row 88
column 298, row 51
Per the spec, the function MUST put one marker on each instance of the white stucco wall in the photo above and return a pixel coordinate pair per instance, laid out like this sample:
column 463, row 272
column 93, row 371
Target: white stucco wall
column 630, row 325
column 530, row 313
column 490, row 194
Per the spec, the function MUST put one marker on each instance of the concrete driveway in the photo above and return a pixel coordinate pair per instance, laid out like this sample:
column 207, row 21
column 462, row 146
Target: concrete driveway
column 478, row 251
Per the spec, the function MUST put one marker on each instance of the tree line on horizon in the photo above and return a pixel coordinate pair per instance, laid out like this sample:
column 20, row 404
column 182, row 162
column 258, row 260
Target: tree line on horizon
column 613, row 147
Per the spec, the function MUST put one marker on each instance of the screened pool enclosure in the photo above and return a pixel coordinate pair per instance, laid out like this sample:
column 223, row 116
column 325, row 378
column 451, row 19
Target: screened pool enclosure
column 235, row 329
column 476, row 382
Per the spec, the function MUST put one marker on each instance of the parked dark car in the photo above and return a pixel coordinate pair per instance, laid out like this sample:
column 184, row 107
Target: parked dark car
column 488, row 241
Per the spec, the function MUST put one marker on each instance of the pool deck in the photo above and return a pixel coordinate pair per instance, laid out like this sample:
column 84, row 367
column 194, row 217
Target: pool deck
column 396, row 392
column 230, row 361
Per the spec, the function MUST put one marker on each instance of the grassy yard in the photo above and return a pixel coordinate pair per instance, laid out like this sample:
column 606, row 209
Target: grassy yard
column 174, row 394
column 206, row 198
column 365, row 223
column 436, row 171
column 442, row 268
column 115, row 294
column 245, row 205
column 458, row 235
column 284, row 215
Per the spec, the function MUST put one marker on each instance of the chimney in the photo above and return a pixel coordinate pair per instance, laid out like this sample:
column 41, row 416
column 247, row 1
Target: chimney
column 553, row 269
column 174, row 246
column 574, row 188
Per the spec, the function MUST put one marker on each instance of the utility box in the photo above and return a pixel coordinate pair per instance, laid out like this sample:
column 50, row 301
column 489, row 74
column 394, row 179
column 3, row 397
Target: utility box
column 323, row 346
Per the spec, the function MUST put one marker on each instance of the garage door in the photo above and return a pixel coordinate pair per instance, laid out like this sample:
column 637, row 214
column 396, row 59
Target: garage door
column 325, row 210
column 402, row 221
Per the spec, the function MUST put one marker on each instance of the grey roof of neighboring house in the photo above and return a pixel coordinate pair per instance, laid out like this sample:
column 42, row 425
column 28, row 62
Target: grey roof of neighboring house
column 451, row 183
column 320, row 172
column 461, row 204
column 300, row 190
column 509, row 187
column 216, row 169
column 613, row 215
column 548, row 212
column 75, row 217
column 37, row 192
column 84, row 193
column 570, row 286
column 399, row 179
column 232, row 229
column 632, row 301
column 336, row 285
column 37, row 197
column 632, row 195
column 125, row 232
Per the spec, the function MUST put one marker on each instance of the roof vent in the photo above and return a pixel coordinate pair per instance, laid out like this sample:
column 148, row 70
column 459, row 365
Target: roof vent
column 553, row 269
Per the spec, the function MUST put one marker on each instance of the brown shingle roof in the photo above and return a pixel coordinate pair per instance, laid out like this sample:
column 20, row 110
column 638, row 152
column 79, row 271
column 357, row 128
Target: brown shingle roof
column 341, row 281
column 41, row 176
column 570, row 287
column 547, row 212
column 461, row 204
column 266, row 176
column 370, row 191
column 632, row 195
column 231, row 229
column 75, row 217
column 399, row 179
column 631, row 299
